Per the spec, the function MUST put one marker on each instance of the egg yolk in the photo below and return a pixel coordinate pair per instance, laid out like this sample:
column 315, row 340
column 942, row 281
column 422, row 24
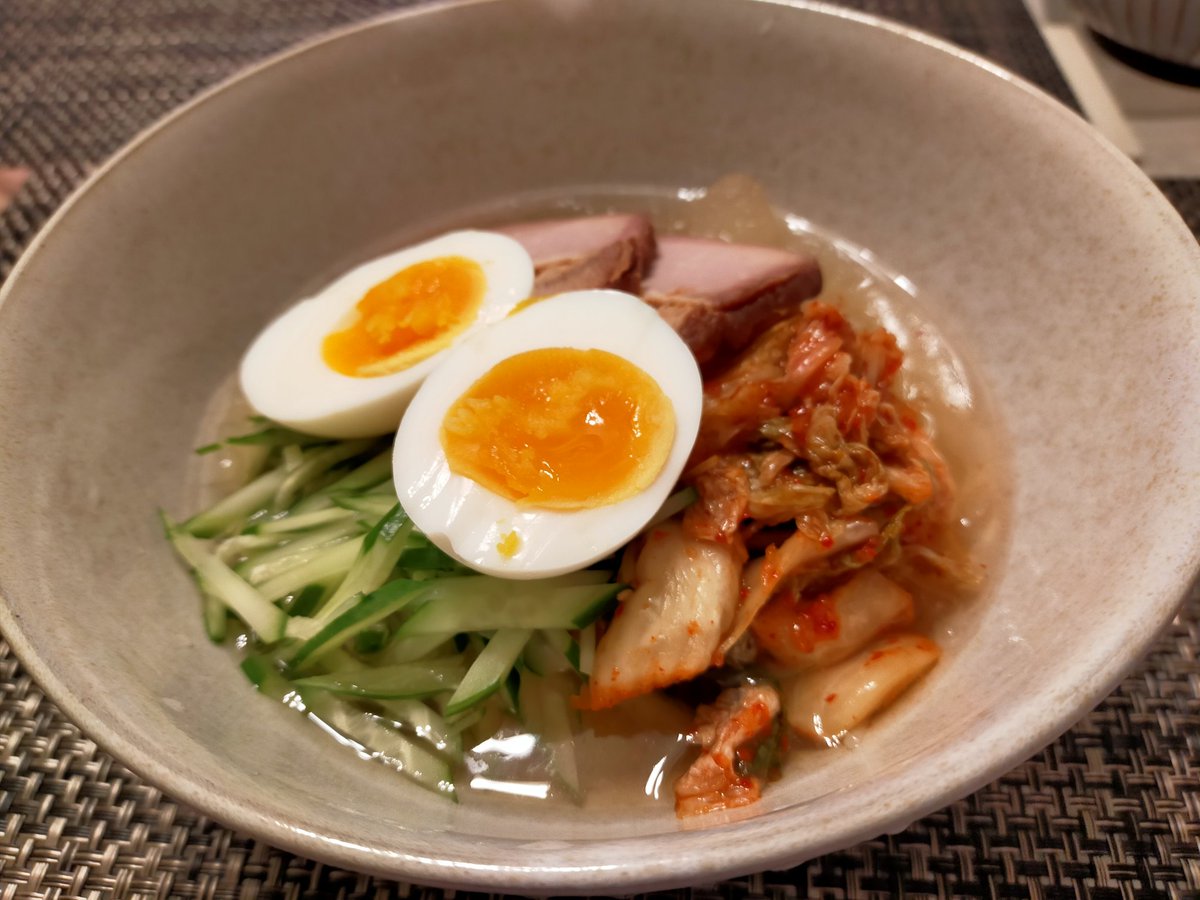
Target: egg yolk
column 509, row 545
column 561, row 428
column 407, row 318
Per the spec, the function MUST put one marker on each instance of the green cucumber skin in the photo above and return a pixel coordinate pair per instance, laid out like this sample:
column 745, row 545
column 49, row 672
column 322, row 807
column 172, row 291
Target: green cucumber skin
column 231, row 589
column 268, row 564
column 576, row 607
column 237, row 507
column 315, row 464
column 374, row 607
column 427, row 725
column 266, row 677
column 489, row 670
column 375, row 470
column 387, row 528
column 285, row 526
column 425, row 758
column 397, row 682
column 381, row 548
column 410, row 756
column 216, row 619
column 334, row 562
column 374, row 508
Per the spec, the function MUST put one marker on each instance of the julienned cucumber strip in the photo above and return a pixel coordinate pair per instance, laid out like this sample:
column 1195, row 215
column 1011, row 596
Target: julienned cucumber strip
column 253, row 497
column 546, row 652
column 306, row 601
column 426, row 724
column 272, row 436
column 404, row 650
column 340, row 660
column 375, row 470
column 371, row 640
column 473, row 604
column 489, row 670
column 265, row 675
column 392, row 528
column 425, row 757
column 429, row 559
column 231, row 549
column 284, row 526
column 460, row 723
column 373, row 506
column 316, row 462
column 511, row 691
column 267, row 564
column 330, row 566
column 383, row 740
column 392, row 682
column 547, row 713
column 380, row 549
column 216, row 618
column 222, row 582
column 374, row 607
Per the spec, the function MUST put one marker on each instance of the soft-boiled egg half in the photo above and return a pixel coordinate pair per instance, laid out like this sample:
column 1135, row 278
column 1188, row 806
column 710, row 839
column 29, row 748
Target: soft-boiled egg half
column 545, row 442
column 346, row 362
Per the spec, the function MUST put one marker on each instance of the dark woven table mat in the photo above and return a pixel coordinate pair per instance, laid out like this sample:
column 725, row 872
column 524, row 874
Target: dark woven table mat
column 1112, row 809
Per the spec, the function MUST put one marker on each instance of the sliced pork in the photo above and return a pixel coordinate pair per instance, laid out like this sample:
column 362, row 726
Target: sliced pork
column 612, row 251
column 720, row 296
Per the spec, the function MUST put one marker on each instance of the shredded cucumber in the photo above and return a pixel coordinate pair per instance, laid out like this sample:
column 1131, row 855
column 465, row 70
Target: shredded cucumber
column 479, row 603
column 547, row 713
column 374, row 506
column 231, row 549
column 427, row 725
column 238, row 506
column 315, row 463
column 381, row 548
column 216, row 616
column 360, row 621
column 408, row 649
column 547, row 652
column 331, row 564
column 222, row 583
column 375, row 607
column 267, row 564
column 367, row 475
column 489, row 670
column 304, row 521
column 385, row 740
column 391, row 682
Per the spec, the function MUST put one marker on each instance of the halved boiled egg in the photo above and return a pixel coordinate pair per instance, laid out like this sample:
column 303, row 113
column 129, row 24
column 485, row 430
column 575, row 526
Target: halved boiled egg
column 548, row 440
column 346, row 362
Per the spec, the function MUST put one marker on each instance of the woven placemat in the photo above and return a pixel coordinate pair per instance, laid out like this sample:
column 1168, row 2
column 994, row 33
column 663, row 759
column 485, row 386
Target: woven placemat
column 1112, row 809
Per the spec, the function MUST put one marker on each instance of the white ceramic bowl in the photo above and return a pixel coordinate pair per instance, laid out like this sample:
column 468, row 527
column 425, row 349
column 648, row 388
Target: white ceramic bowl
column 1067, row 279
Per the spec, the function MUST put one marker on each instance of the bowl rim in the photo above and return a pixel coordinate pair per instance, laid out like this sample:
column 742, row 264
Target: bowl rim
column 752, row 854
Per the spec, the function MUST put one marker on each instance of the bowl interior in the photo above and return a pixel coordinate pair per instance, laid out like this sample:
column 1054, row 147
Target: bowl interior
column 1049, row 261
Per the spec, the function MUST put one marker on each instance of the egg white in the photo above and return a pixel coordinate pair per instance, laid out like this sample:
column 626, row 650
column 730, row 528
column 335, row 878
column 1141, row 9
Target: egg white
column 467, row 520
column 284, row 376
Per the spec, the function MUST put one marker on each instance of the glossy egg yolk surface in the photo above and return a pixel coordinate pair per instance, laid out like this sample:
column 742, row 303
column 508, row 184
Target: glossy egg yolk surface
column 561, row 428
column 407, row 318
